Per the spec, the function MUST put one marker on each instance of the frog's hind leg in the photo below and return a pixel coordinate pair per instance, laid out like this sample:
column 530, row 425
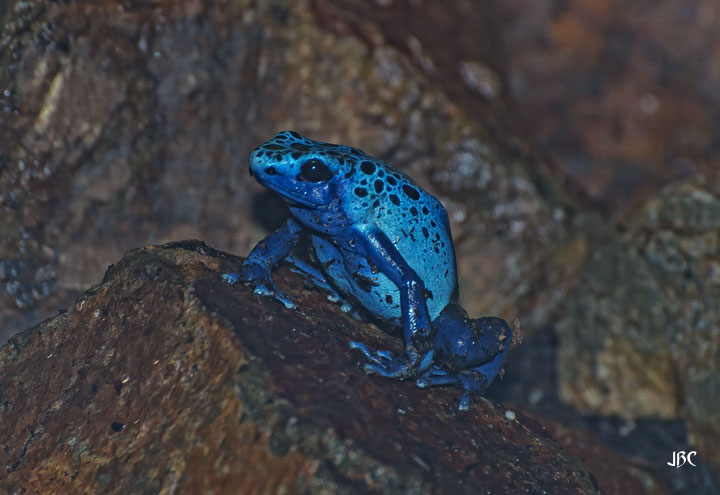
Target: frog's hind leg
column 316, row 278
column 473, row 381
column 474, row 352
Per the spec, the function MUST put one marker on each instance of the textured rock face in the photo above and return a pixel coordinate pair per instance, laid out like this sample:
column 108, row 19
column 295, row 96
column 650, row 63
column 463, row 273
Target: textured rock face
column 641, row 334
column 621, row 94
column 164, row 379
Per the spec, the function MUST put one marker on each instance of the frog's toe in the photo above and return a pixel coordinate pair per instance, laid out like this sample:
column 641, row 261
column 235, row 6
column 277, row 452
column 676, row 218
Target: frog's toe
column 285, row 300
column 380, row 358
column 464, row 403
column 396, row 368
column 383, row 363
column 231, row 278
column 386, row 355
column 373, row 368
column 272, row 291
column 263, row 290
column 436, row 377
column 376, row 356
column 364, row 349
column 252, row 274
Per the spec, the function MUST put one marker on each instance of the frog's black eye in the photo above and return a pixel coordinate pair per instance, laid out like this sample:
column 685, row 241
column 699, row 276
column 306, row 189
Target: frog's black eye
column 315, row 170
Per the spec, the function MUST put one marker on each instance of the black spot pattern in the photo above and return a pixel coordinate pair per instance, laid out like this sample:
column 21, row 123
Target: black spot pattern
column 367, row 167
column 411, row 192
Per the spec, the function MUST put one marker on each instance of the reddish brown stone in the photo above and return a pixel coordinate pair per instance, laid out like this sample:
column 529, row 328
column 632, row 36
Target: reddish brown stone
column 163, row 377
column 621, row 94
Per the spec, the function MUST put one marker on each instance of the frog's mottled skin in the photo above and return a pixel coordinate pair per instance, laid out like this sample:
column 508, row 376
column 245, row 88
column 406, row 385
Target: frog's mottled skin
column 384, row 242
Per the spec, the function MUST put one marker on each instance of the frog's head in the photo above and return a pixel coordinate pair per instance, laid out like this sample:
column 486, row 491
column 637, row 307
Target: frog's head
column 304, row 172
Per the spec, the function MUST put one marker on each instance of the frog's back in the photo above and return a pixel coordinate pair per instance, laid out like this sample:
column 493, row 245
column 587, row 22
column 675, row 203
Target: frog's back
column 379, row 195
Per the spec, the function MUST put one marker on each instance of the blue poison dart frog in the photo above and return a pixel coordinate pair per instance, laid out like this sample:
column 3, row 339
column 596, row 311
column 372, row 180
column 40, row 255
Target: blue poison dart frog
column 384, row 243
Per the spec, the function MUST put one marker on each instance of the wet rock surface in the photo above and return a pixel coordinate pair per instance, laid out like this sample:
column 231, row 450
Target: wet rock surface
column 163, row 378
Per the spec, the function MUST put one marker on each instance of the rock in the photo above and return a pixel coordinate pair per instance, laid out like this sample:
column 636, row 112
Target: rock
column 613, row 472
column 619, row 94
column 165, row 379
column 640, row 335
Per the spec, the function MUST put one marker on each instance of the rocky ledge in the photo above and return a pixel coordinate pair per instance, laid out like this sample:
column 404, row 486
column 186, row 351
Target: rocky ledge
column 164, row 379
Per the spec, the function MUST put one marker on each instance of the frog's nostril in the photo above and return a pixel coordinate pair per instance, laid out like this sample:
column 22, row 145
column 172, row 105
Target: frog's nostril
column 270, row 171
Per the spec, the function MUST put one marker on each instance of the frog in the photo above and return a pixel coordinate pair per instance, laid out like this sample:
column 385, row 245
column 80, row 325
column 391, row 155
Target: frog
column 381, row 242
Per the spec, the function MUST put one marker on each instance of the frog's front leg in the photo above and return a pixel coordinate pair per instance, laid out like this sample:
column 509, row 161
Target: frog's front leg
column 314, row 277
column 417, row 329
column 257, row 267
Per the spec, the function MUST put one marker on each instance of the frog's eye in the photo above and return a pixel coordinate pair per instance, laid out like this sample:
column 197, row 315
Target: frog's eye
column 315, row 170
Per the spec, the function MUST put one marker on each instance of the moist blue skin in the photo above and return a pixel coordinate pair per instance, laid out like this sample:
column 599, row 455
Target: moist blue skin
column 384, row 243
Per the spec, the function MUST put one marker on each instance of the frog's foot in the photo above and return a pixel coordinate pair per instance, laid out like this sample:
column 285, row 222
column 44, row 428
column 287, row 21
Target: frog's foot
column 385, row 364
column 315, row 278
column 473, row 382
column 258, row 277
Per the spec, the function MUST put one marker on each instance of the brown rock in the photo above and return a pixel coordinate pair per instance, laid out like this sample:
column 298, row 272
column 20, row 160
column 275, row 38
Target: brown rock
column 615, row 473
column 164, row 378
column 619, row 93
column 640, row 335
